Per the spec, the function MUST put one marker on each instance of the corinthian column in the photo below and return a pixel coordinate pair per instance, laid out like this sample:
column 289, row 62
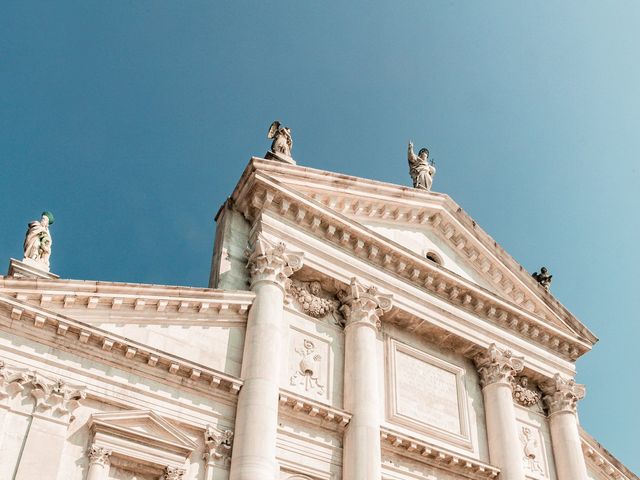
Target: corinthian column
column 362, row 307
column 561, row 397
column 254, row 451
column 497, row 368
column 98, row 463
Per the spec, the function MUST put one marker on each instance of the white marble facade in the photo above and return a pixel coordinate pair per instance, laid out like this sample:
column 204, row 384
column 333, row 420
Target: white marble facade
column 353, row 330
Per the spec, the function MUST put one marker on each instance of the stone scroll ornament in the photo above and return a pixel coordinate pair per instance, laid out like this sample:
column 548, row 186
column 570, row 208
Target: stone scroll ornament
column 421, row 169
column 497, row 366
column 562, row 395
column 272, row 262
column 361, row 304
column 37, row 242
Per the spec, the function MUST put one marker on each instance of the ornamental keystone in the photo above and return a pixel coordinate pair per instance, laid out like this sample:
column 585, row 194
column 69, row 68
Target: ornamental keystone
column 562, row 395
column 272, row 262
column 361, row 304
column 497, row 366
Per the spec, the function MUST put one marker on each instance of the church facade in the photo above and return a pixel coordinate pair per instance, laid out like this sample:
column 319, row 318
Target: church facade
column 352, row 329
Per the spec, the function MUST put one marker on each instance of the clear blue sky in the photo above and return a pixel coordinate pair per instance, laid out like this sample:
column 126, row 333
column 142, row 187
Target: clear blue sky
column 132, row 120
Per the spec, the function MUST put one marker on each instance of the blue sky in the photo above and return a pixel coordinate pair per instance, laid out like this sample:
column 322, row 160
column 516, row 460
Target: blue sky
column 132, row 120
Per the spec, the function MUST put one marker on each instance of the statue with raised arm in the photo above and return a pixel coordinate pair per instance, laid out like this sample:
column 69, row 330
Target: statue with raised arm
column 543, row 278
column 282, row 141
column 37, row 242
column 421, row 169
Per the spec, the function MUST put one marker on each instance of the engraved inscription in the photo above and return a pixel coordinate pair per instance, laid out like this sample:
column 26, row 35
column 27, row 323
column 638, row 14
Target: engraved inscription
column 427, row 393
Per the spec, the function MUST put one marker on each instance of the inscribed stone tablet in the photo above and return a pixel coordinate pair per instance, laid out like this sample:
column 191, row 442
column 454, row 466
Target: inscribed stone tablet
column 427, row 393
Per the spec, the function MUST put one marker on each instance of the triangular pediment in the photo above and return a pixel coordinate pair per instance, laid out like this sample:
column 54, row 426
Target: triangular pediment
column 144, row 425
column 416, row 222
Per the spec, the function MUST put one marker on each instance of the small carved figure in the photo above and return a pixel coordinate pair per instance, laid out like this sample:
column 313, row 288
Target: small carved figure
column 37, row 242
column 523, row 393
column 543, row 278
column 308, row 296
column 282, row 141
column 308, row 372
column 530, row 446
column 421, row 168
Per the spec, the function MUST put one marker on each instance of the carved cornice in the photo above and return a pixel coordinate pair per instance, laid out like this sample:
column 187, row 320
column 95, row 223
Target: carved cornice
column 310, row 410
column 602, row 461
column 363, row 305
column 217, row 444
column 99, row 455
column 86, row 339
column 271, row 262
column 562, row 395
column 497, row 366
column 438, row 457
column 53, row 398
column 263, row 194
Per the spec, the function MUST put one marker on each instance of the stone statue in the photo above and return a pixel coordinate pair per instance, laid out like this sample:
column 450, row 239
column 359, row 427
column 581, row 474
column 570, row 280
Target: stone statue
column 421, row 169
column 37, row 242
column 282, row 141
column 543, row 278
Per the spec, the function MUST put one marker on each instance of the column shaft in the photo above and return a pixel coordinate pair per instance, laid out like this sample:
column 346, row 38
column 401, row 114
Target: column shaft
column 567, row 449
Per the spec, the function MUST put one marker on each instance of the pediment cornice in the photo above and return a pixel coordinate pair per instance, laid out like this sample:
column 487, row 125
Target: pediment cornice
column 84, row 339
column 372, row 200
column 259, row 192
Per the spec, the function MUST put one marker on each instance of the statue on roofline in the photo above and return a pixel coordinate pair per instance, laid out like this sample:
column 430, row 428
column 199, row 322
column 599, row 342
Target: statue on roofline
column 421, row 169
column 37, row 242
column 543, row 278
column 282, row 141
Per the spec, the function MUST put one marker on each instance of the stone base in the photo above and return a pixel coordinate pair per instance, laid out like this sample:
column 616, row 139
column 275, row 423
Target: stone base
column 28, row 269
column 280, row 157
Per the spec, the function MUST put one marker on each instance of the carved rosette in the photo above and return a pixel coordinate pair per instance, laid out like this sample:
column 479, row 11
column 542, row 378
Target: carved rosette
column 173, row 473
column 272, row 262
column 217, row 444
column 562, row 395
column 99, row 455
column 497, row 366
column 363, row 305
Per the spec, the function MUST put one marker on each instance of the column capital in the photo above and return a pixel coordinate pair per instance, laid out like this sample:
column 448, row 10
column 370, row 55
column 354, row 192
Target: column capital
column 217, row 444
column 497, row 366
column 173, row 473
column 99, row 455
column 562, row 395
column 363, row 305
column 272, row 262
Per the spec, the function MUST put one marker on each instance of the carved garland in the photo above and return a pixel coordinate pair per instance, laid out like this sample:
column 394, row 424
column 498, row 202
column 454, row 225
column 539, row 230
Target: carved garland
column 420, row 272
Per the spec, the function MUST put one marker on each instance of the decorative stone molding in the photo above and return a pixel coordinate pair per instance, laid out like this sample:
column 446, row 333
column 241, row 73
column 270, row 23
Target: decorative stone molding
column 53, row 397
column 387, row 255
column 602, row 461
column 523, row 393
column 497, row 366
column 562, row 395
column 87, row 339
column 531, row 454
column 361, row 304
column 312, row 300
column 217, row 444
column 308, row 409
column 99, row 455
column 308, row 372
column 269, row 262
column 173, row 473
column 438, row 457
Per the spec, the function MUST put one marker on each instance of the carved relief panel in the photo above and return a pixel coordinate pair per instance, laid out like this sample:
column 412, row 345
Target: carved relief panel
column 533, row 451
column 309, row 364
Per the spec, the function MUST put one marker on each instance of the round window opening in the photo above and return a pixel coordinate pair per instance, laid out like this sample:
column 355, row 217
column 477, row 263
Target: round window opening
column 434, row 257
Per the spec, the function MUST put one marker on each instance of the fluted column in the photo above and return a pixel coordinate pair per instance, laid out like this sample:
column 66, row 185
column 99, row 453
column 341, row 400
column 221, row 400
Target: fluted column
column 362, row 307
column 254, row 451
column 561, row 398
column 98, row 463
column 497, row 368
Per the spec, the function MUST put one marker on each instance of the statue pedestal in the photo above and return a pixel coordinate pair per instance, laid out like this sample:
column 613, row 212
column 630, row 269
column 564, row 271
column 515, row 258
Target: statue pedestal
column 28, row 269
column 280, row 157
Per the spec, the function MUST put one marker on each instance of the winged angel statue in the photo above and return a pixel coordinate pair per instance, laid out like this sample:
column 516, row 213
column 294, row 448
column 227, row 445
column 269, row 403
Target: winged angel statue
column 282, row 141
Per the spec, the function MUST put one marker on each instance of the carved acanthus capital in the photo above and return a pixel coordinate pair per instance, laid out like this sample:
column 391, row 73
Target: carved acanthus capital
column 13, row 381
column 173, row 473
column 562, row 395
column 497, row 366
column 99, row 455
column 56, row 398
column 217, row 444
column 363, row 305
column 272, row 262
